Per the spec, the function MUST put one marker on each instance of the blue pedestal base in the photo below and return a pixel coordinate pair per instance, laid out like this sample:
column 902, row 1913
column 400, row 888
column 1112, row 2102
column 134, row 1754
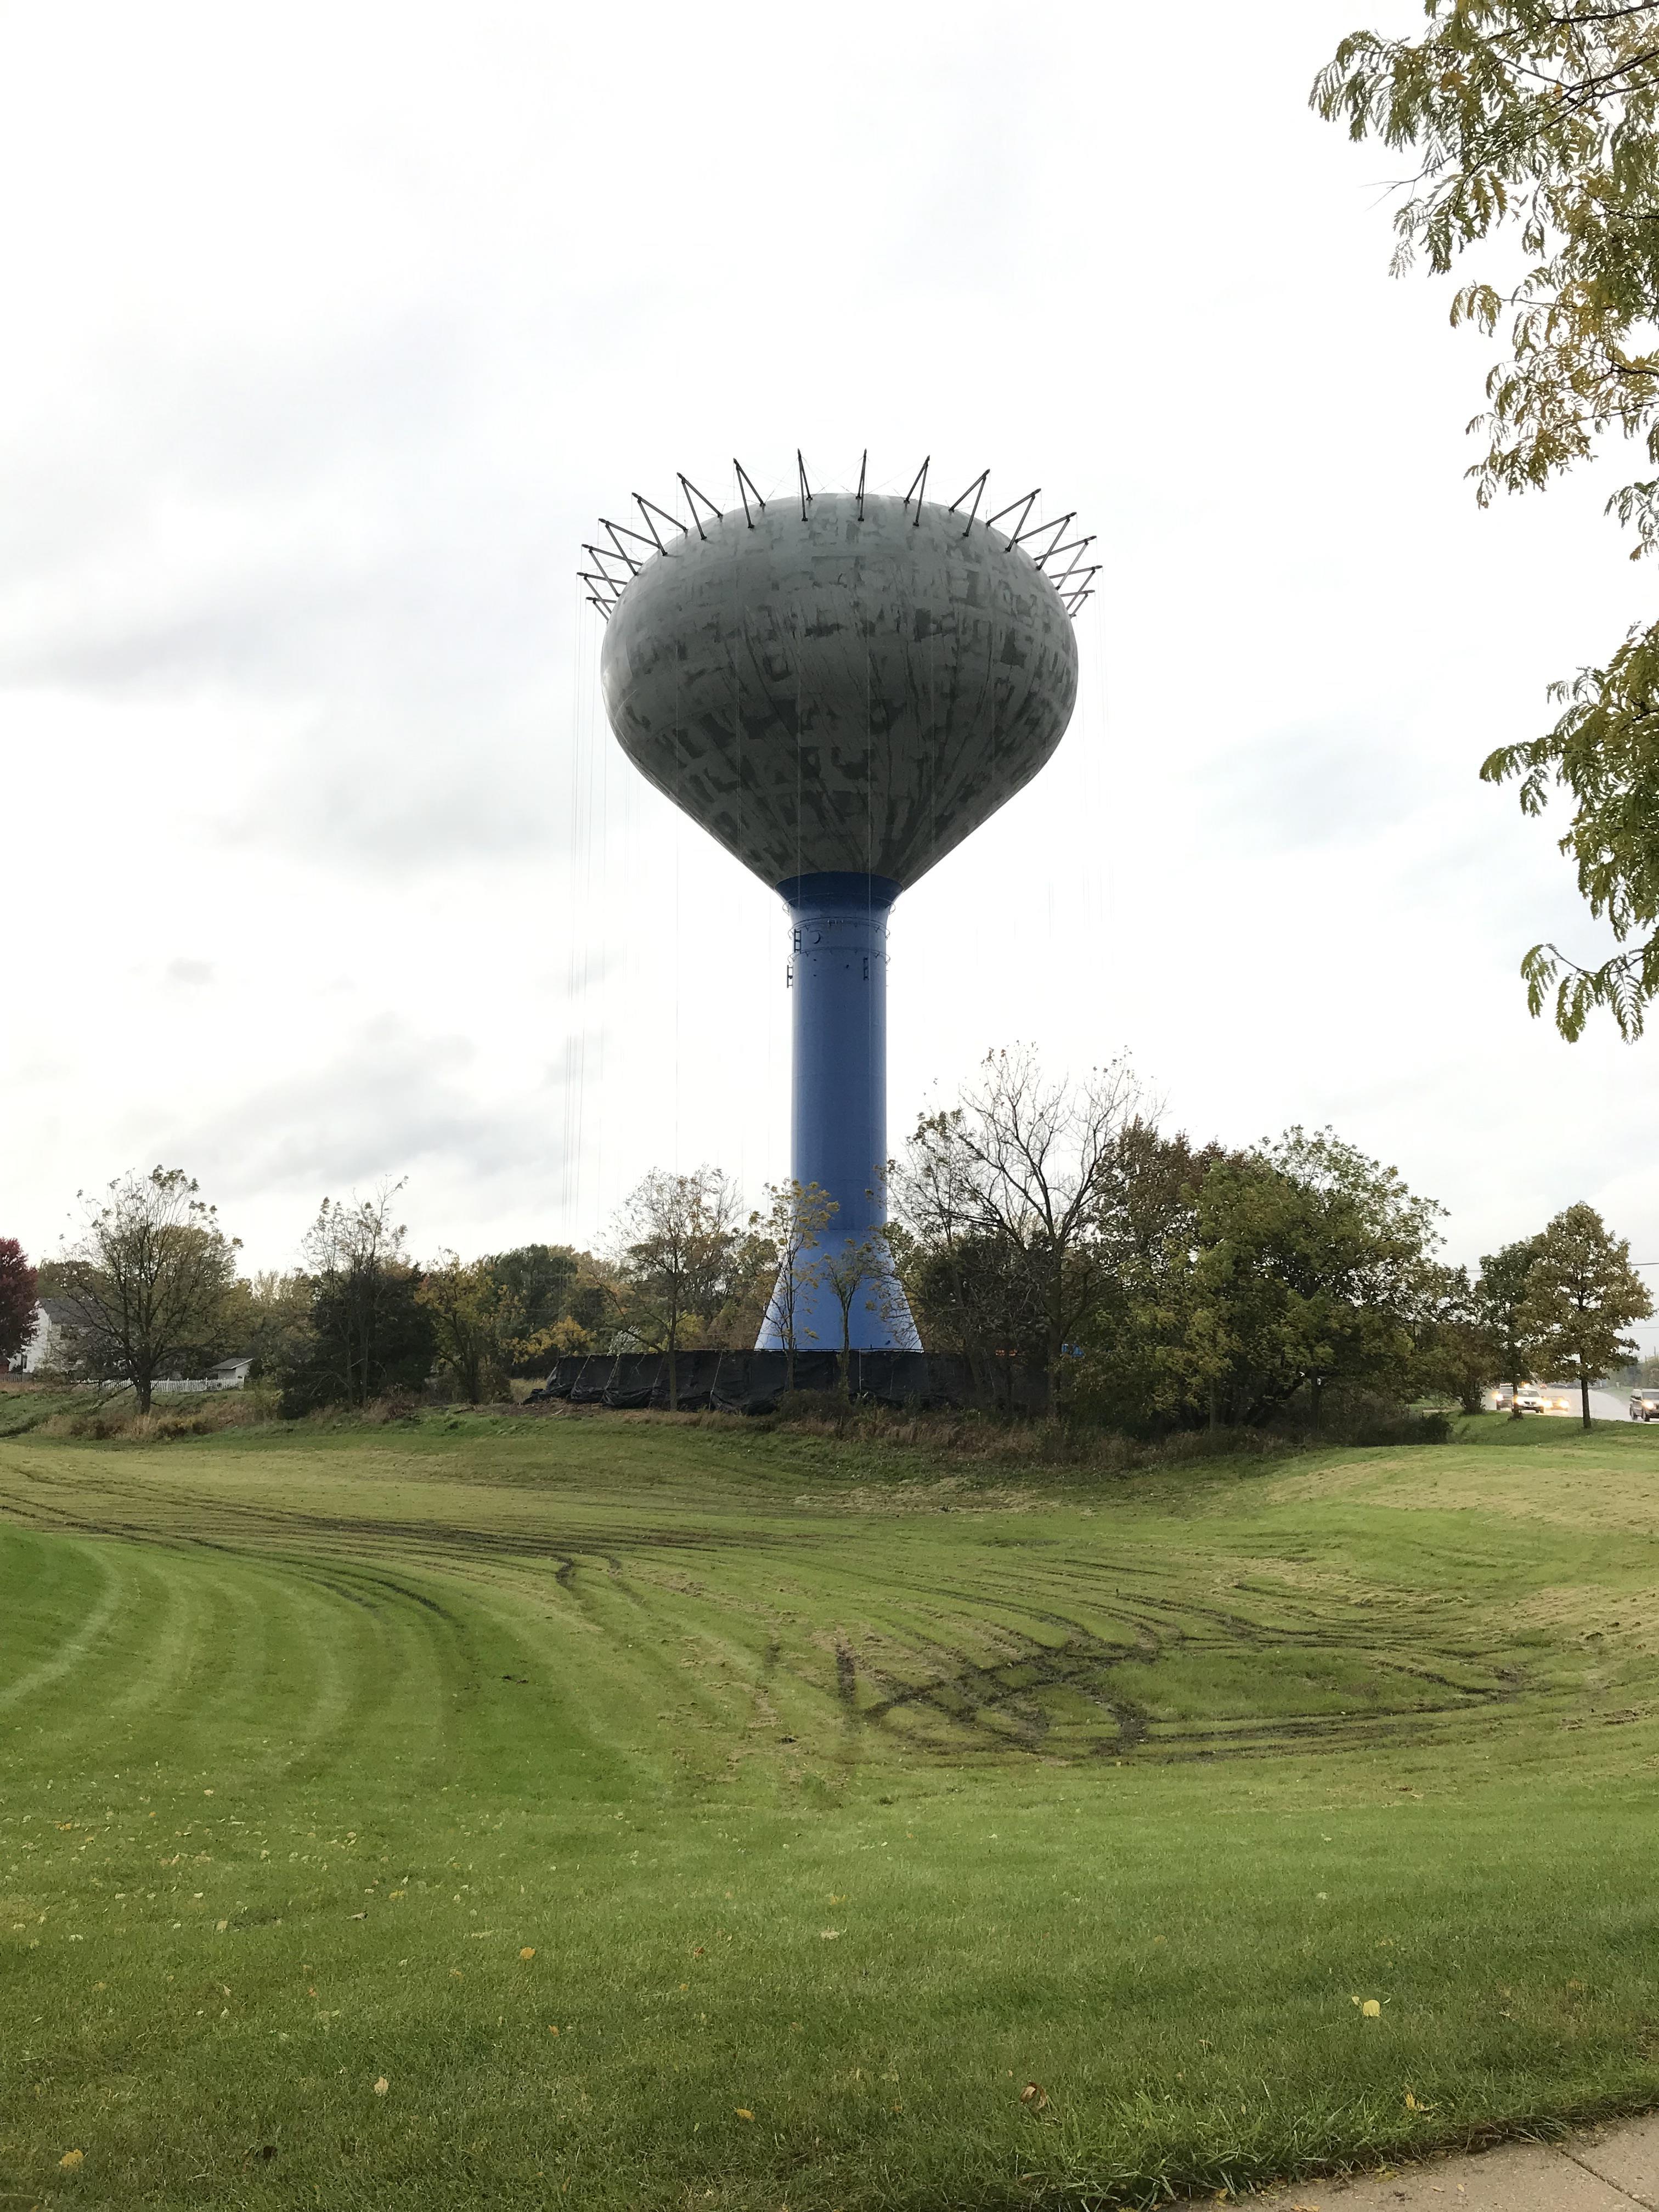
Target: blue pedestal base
column 838, row 980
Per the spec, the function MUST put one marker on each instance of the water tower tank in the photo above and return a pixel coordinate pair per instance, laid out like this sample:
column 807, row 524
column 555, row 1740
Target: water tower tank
column 840, row 687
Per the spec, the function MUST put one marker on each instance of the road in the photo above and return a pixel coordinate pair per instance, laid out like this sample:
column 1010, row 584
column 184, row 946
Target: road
column 1605, row 1405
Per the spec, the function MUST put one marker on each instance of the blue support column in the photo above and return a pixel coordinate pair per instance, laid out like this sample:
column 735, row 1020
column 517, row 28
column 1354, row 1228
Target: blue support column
column 839, row 986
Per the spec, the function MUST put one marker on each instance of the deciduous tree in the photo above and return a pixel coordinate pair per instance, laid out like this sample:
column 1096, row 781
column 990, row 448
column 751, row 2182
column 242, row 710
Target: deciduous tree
column 367, row 1333
column 1314, row 1265
column 147, row 1281
column 677, row 1243
column 532, row 1286
column 1146, row 1363
column 1459, row 1349
column 1005, row 1192
column 1540, row 119
column 1500, row 1292
column 269, row 1319
column 18, row 1297
column 1582, row 1294
column 471, row 1312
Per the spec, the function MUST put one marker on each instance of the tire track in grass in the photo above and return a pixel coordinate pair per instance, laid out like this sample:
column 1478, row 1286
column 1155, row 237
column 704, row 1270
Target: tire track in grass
column 1008, row 1653
column 79, row 1648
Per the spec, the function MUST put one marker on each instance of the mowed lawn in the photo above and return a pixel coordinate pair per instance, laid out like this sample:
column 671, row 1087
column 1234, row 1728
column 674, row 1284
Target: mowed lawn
column 622, row 1812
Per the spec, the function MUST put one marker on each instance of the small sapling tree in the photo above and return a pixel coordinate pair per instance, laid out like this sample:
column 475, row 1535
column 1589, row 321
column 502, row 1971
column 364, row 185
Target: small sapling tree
column 790, row 1248
column 851, row 1268
column 677, row 1243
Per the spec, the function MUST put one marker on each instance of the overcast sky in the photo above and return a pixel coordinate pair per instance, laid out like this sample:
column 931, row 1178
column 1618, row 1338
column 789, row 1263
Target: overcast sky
column 331, row 329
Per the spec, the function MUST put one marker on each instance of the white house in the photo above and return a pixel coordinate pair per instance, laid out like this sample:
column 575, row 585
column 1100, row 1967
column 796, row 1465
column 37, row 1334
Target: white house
column 228, row 1375
column 46, row 1345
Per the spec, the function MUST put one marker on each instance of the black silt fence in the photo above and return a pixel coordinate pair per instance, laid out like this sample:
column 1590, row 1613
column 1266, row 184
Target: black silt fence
column 753, row 1382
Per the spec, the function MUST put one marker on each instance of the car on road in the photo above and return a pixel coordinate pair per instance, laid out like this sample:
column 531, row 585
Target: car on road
column 1644, row 1405
column 1543, row 1398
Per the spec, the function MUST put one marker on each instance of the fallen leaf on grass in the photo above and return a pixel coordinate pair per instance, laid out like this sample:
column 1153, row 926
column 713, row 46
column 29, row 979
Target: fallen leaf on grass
column 829, row 1935
column 744, row 2113
column 1035, row 2096
column 552, row 2030
column 1416, row 2105
column 381, row 2085
column 528, row 1952
column 221, row 1926
column 73, row 2160
column 1370, row 2009
column 356, row 1915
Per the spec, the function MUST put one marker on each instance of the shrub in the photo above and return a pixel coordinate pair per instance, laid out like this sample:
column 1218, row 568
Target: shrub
column 118, row 1419
column 1353, row 1416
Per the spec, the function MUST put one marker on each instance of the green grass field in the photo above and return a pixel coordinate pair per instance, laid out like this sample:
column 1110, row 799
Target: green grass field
column 627, row 1813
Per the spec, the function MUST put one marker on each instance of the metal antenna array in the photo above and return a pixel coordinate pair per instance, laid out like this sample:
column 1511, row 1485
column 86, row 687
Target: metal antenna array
column 605, row 586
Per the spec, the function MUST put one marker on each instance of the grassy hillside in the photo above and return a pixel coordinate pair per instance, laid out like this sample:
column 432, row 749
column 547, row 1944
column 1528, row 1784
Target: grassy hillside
column 634, row 1813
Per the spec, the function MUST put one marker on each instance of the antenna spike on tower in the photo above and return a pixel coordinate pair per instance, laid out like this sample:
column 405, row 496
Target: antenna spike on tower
column 1037, row 530
column 622, row 550
column 919, row 487
column 692, row 496
column 805, row 494
column 649, row 507
column 1076, row 569
column 746, row 485
column 977, row 488
column 644, row 506
column 1024, row 505
column 864, row 463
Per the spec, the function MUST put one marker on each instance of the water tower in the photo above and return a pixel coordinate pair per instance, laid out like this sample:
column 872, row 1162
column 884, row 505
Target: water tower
column 840, row 687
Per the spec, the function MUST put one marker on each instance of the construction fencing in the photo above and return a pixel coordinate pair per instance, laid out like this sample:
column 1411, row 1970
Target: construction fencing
column 753, row 1382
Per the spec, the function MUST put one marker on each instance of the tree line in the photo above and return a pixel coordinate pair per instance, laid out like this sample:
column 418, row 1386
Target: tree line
column 149, row 1287
column 1041, row 1225
column 1162, row 1284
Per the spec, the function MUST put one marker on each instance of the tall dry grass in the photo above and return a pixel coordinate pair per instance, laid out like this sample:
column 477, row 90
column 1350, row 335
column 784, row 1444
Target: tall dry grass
column 116, row 1420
